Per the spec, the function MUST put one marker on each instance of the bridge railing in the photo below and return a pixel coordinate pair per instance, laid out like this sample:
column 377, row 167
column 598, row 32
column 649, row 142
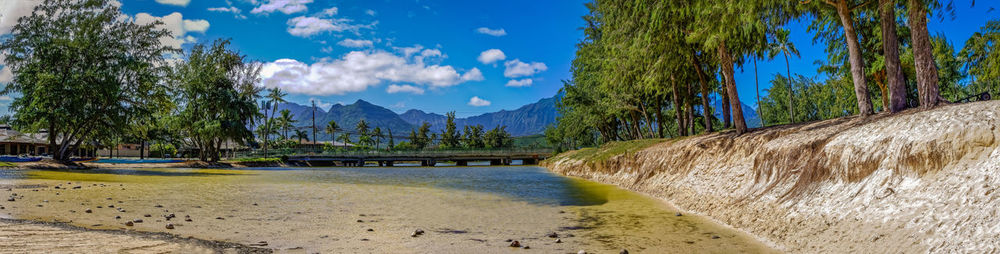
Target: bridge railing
column 399, row 153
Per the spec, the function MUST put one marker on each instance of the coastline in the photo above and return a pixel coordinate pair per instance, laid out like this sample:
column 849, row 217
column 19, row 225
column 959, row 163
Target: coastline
column 921, row 181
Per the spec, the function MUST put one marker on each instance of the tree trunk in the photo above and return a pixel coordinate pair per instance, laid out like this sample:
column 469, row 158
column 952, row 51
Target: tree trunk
column 678, row 110
column 690, row 109
column 791, row 107
column 726, row 61
column 756, row 87
column 726, row 113
column 890, row 47
column 857, row 64
column 703, row 85
column 923, row 55
column 142, row 150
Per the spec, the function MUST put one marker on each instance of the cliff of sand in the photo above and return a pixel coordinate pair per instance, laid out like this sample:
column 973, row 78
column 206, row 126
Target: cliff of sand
column 919, row 181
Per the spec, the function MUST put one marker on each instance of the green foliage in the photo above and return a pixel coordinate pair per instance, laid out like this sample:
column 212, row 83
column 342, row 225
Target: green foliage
column 162, row 150
column 83, row 71
column 450, row 136
column 216, row 90
column 813, row 100
column 608, row 150
column 498, row 138
column 981, row 55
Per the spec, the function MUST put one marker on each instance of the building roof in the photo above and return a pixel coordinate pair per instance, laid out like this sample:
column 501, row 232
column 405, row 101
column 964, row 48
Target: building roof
column 8, row 135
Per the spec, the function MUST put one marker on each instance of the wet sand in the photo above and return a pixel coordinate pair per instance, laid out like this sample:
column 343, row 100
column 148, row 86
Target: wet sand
column 308, row 211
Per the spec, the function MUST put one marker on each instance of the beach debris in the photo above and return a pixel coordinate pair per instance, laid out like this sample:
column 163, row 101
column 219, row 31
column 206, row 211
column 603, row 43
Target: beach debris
column 624, row 251
column 515, row 244
column 553, row 235
column 170, row 226
column 558, row 240
column 129, row 223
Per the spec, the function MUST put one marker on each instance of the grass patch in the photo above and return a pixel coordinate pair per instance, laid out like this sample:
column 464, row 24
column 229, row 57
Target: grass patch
column 7, row 164
column 611, row 149
column 258, row 160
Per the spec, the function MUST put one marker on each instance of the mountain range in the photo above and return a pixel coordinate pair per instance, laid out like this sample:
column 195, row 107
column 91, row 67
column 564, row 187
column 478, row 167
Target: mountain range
column 527, row 120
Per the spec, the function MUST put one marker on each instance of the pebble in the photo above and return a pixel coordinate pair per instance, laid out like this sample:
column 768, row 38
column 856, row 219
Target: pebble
column 624, row 251
column 419, row 231
column 553, row 235
column 371, row 230
column 219, row 218
column 147, row 215
column 11, row 199
column 558, row 240
column 129, row 223
column 88, row 211
column 679, row 214
column 527, row 247
column 515, row 244
column 188, row 219
column 158, row 206
column 137, row 220
column 170, row 226
column 118, row 217
column 581, row 252
column 364, row 239
column 715, row 237
column 359, row 221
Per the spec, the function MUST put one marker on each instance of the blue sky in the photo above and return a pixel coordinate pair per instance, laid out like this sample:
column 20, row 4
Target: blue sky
column 437, row 56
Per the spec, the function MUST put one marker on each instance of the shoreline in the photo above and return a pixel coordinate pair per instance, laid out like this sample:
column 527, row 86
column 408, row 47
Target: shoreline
column 132, row 235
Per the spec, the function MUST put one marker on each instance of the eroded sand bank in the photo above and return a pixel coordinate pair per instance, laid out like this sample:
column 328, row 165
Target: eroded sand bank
column 318, row 210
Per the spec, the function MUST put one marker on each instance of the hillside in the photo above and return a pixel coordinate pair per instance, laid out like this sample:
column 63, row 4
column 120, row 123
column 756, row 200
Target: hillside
column 348, row 116
column 527, row 120
column 915, row 182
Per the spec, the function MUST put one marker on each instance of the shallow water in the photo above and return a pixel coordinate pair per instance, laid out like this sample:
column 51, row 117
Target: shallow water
column 318, row 209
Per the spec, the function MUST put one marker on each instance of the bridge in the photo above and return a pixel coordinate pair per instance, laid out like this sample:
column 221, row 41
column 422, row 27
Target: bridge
column 425, row 158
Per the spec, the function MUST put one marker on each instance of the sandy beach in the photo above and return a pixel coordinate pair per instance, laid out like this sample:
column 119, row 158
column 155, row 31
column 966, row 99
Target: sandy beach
column 309, row 211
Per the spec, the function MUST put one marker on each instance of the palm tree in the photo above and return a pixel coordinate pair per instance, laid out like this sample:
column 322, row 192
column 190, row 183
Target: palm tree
column 301, row 134
column 377, row 133
column 332, row 128
column 344, row 137
column 276, row 96
column 286, row 122
column 782, row 45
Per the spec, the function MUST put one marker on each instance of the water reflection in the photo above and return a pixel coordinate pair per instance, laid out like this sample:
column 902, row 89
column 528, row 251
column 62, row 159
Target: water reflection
column 530, row 184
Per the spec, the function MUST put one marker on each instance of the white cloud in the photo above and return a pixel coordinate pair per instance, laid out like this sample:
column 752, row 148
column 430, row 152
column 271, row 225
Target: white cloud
column 370, row 12
column 11, row 10
column 181, row 3
column 199, row 25
column 322, row 105
column 475, row 101
column 494, row 32
column 519, row 83
column 358, row 70
column 491, row 56
column 351, row 43
column 309, row 26
column 284, row 6
column 515, row 68
column 177, row 25
column 5, row 75
column 329, row 12
column 326, row 49
column 5, row 98
column 404, row 89
column 235, row 11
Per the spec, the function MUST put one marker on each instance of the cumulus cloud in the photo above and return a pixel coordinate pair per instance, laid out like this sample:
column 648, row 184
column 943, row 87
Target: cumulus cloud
column 370, row 12
column 494, row 32
column 519, row 83
column 181, row 3
column 329, row 12
column 351, row 43
column 235, row 11
column 491, row 56
column 177, row 25
column 10, row 11
column 358, row 70
column 404, row 89
column 515, row 68
column 308, row 26
column 5, row 75
column 284, row 6
column 475, row 101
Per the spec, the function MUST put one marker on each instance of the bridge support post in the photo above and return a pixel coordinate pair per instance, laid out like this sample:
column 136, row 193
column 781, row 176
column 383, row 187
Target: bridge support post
column 388, row 163
column 432, row 162
column 496, row 162
column 529, row 162
column 424, row 163
column 461, row 163
column 361, row 162
column 381, row 163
